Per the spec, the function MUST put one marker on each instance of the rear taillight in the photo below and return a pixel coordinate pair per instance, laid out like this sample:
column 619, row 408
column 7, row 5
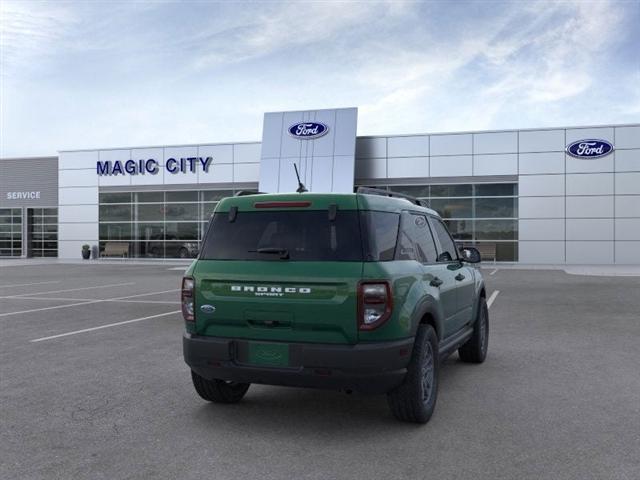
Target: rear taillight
column 374, row 304
column 187, row 299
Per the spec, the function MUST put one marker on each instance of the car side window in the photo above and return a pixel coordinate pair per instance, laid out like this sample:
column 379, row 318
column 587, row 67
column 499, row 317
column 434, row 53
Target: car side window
column 406, row 249
column 448, row 251
column 423, row 239
column 381, row 235
column 416, row 241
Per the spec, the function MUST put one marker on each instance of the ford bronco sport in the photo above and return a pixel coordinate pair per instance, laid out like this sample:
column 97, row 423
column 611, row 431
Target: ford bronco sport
column 358, row 292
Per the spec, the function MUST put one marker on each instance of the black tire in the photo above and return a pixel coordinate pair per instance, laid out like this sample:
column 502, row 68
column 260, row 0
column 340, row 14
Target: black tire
column 219, row 391
column 475, row 349
column 183, row 253
column 415, row 400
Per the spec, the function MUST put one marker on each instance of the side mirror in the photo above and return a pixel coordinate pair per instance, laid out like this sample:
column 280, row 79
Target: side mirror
column 470, row 255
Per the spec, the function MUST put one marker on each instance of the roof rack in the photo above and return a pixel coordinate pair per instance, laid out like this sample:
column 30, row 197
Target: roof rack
column 242, row 193
column 389, row 193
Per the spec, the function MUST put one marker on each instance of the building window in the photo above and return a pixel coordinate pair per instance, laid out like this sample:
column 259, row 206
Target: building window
column 10, row 232
column 476, row 214
column 157, row 224
column 42, row 228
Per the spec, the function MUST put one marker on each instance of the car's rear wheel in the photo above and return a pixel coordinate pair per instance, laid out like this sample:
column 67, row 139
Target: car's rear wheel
column 219, row 391
column 415, row 399
column 475, row 349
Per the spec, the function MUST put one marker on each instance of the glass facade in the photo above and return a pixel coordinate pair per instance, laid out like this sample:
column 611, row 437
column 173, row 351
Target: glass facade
column 156, row 224
column 171, row 224
column 484, row 215
column 42, row 229
column 10, row 232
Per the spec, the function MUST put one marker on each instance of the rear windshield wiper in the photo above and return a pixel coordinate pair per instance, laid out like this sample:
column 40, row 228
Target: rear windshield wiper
column 283, row 252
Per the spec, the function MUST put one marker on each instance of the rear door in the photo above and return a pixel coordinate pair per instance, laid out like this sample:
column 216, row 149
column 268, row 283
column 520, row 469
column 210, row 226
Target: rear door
column 280, row 275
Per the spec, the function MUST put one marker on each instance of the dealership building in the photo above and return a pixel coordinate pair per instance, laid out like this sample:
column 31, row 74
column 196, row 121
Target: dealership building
column 545, row 196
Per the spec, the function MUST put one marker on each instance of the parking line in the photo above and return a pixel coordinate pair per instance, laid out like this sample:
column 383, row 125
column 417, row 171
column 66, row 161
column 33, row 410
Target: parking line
column 48, row 308
column 28, row 284
column 492, row 297
column 72, row 289
column 160, row 302
column 176, row 290
column 103, row 326
column 494, row 272
column 79, row 303
column 115, row 300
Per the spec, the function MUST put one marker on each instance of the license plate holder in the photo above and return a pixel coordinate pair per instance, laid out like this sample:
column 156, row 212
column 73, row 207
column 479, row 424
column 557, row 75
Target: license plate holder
column 268, row 354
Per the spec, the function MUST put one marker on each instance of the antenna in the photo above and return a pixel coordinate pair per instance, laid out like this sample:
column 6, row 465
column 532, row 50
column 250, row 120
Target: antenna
column 301, row 187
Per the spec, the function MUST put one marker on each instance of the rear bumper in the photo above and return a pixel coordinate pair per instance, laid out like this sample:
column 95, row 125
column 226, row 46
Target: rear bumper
column 369, row 368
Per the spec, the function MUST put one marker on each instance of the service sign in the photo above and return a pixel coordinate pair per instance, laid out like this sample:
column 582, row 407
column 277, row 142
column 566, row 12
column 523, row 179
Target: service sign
column 308, row 130
column 23, row 195
column 589, row 149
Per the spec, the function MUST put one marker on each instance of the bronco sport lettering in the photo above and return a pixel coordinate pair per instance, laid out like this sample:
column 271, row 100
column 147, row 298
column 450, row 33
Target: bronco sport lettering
column 277, row 290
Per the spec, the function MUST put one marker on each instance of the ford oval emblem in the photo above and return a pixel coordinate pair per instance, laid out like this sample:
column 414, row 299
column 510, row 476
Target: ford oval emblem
column 207, row 308
column 308, row 130
column 590, row 148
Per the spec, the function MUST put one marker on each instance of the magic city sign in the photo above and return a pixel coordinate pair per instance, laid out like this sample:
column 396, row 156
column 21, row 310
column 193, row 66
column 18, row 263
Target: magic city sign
column 589, row 148
column 151, row 166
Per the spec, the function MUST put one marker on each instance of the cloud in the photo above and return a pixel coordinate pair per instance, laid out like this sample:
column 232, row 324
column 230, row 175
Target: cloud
column 79, row 74
column 30, row 30
column 558, row 62
column 299, row 28
column 532, row 57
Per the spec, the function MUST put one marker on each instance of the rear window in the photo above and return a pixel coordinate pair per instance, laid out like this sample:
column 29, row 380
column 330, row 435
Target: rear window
column 304, row 235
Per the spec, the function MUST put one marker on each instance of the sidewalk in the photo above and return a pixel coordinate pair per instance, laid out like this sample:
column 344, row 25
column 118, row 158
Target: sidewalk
column 592, row 270
column 171, row 262
column 178, row 264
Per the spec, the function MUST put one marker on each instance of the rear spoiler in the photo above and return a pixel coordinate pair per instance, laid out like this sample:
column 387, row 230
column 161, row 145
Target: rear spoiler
column 242, row 193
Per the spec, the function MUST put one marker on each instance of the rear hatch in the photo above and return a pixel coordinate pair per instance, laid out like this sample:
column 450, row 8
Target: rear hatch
column 281, row 267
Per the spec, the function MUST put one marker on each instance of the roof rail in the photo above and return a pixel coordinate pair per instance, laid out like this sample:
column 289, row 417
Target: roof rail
column 242, row 193
column 389, row 193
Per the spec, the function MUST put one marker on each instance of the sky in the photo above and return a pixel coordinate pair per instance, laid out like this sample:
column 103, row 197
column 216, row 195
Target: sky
column 97, row 74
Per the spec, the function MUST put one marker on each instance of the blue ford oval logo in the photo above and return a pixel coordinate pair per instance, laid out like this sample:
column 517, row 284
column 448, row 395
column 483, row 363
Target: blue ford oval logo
column 308, row 130
column 207, row 308
column 589, row 148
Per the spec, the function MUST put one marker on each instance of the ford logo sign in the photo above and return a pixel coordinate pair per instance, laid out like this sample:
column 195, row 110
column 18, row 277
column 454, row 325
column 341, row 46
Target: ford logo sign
column 207, row 308
column 308, row 130
column 589, row 148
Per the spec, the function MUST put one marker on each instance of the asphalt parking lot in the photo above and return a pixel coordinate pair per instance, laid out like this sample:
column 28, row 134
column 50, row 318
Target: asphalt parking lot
column 558, row 397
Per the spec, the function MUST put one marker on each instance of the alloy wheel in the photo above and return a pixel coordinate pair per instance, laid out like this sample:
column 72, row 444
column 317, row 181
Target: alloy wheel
column 428, row 373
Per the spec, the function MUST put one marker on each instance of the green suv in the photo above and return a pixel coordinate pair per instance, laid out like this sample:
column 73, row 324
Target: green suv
column 359, row 292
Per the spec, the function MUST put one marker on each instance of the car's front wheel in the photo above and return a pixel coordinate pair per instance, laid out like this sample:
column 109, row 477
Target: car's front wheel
column 219, row 391
column 415, row 399
column 475, row 349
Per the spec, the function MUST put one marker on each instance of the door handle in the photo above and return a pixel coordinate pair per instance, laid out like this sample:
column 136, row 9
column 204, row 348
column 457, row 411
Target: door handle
column 436, row 282
column 459, row 277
